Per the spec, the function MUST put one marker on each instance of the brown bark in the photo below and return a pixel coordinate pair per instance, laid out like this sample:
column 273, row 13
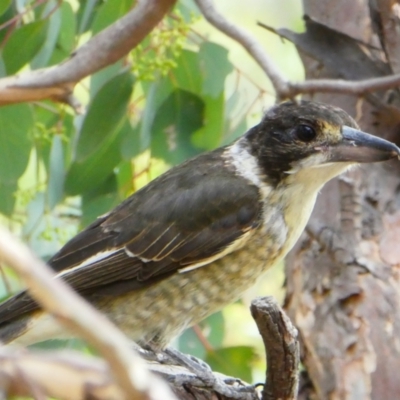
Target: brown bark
column 343, row 288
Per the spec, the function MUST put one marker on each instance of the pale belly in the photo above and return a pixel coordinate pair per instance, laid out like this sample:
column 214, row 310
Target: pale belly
column 160, row 312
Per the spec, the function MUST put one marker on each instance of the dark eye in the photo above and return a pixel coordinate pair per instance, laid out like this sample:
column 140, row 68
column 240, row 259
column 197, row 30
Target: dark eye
column 305, row 133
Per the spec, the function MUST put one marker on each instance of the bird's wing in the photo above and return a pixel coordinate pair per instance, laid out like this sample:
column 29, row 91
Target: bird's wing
column 190, row 216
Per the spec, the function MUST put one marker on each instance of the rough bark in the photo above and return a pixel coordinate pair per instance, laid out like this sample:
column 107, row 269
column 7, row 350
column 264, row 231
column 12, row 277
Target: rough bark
column 343, row 287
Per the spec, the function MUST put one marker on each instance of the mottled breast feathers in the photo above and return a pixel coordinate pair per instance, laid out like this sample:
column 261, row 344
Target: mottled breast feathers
column 185, row 218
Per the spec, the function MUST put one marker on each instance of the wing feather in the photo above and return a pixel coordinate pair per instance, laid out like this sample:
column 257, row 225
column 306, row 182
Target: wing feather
column 186, row 218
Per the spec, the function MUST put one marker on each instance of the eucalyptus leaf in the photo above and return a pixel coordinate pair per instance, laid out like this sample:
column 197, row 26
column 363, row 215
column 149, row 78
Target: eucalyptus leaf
column 16, row 122
column 23, row 44
column 176, row 120
column 105, row 113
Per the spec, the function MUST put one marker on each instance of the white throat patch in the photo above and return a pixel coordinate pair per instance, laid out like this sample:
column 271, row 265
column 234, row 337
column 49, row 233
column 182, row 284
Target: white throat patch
column 246, row 165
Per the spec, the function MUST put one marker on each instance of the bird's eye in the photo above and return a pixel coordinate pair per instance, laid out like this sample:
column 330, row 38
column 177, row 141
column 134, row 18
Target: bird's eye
column 305, row 133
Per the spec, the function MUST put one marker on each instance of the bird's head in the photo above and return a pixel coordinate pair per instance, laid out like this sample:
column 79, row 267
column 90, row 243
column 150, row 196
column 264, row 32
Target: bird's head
column 312, row 142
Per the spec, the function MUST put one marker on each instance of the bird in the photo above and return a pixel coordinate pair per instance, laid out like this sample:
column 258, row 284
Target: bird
column 195, row 238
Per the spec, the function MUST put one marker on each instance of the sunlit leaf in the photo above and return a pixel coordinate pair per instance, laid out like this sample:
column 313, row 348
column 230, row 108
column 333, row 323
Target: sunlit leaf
column 215, row 66
column 176, row 120
column 4, row 4
column 209, row 136
column 188, row 75
column 109, row 12
column 233, row 361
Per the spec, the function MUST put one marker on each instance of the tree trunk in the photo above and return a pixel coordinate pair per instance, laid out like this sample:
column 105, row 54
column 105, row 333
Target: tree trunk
column 343, row 285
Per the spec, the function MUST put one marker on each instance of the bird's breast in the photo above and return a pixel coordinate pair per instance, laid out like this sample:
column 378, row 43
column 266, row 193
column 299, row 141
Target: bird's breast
column 161, row 311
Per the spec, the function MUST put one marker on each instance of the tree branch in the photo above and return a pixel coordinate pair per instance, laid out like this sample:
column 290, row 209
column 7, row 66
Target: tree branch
column 74, row 313
column 249, row 43
column 343, row 86
column 61, row 375
column 282, row 348
column 104, row 49
column 284, row 88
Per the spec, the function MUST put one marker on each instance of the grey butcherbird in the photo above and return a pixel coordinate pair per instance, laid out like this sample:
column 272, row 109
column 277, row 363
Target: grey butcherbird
column 195, row 238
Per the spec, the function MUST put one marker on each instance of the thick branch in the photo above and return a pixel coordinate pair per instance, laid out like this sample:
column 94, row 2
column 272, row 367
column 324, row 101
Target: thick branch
column 103, row 49
column 282, row 347
column 80, row 317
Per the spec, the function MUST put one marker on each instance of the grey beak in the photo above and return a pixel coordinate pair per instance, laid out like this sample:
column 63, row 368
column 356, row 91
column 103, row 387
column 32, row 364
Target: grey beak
column 361, row 147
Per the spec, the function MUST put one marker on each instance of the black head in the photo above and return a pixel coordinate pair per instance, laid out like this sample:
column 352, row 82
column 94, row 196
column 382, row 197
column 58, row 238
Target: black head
column 293, row 137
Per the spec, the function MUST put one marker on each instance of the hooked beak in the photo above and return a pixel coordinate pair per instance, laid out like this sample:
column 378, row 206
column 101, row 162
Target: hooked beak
column 361, row 147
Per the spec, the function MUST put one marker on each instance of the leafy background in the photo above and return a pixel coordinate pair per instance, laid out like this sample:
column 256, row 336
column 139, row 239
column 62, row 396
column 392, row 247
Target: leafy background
column 186, row 89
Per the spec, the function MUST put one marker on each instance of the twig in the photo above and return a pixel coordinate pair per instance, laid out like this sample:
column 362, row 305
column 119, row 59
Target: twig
column 103, row 49
column 343, row 86
column 74, row 313
column 250, row 44
column 284, row 88
column 282, row 347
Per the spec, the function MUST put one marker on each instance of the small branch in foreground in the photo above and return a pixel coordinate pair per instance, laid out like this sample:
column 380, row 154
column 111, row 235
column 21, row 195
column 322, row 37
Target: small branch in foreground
column 62, row 375
column 282, row 347
column 56, row 297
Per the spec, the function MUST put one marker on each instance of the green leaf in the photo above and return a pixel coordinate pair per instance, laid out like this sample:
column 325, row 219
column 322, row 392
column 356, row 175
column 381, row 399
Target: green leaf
column 53, row 28
column 209, row 136
column 55, row 187
column 189, row 343
column 86, row 12
column 104, row 115
column 125, row 179
column 109, row 12
column 233, row 361
column 16, row 121
column 130, row 144
column 100, row 78
column 215, row 66
column 7, row 197
column 187, row 75
column 66, row 36
column 85, row 176
column 23, row 44
column 157, row 92
column 176, row 120
column 214, row 325
column 99, row 201
column 5, row 17
column 4, row 4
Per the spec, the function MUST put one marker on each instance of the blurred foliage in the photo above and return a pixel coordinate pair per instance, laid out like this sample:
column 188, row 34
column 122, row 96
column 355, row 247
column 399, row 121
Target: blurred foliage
column 177, row 94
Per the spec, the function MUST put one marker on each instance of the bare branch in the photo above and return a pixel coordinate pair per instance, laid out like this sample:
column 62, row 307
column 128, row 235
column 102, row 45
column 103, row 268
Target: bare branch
column 74, row 313
column 343, row 86
column 103, row 49
column 251, row 45
column 284, row 88
column 65, row 376
column 282, row 347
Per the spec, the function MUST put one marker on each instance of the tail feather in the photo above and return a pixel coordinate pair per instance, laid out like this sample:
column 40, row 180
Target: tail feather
column 31, row 328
